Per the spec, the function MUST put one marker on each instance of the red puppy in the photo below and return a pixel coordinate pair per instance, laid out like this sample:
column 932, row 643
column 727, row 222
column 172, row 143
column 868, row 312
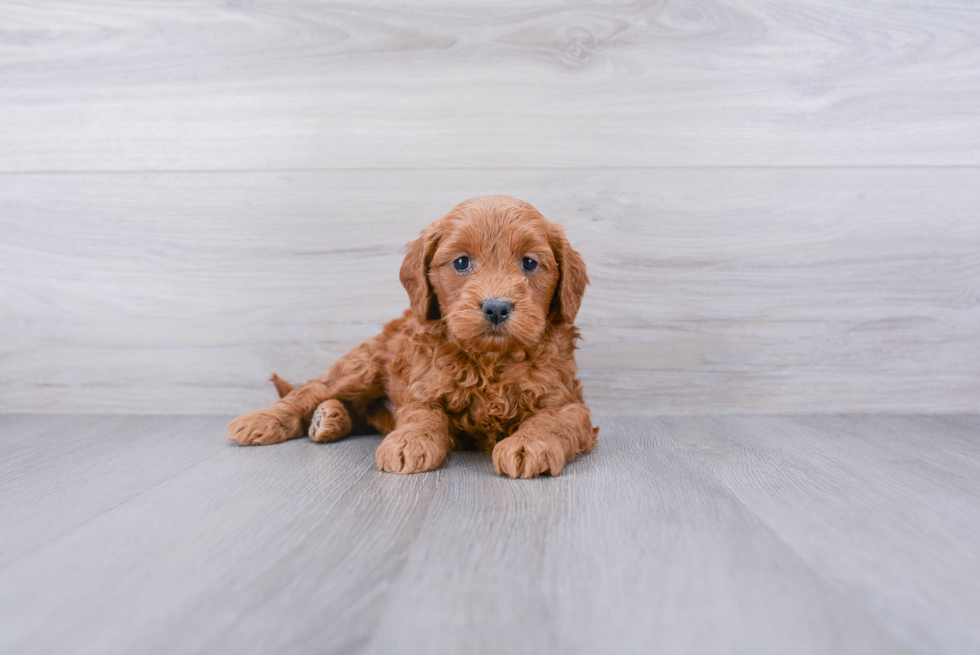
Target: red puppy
column 484, row 359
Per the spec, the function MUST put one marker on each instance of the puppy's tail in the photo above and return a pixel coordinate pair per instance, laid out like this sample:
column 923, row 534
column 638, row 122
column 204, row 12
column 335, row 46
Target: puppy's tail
column 282, row 387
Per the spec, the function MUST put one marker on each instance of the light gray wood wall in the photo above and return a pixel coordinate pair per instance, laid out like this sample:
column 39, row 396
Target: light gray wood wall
column 779, row 202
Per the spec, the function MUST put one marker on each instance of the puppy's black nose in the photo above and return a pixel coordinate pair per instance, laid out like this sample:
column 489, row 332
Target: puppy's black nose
column 497, row 310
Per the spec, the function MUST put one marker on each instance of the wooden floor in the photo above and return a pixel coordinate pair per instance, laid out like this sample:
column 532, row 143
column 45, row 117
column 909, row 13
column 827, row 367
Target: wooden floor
column 829, row 534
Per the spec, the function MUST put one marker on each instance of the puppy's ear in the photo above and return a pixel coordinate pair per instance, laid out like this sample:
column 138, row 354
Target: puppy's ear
column 415, row 276
column 572, row 278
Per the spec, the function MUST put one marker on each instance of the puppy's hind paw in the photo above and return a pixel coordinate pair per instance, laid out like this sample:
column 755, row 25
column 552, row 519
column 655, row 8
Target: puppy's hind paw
column 264, row 427
column 331, row 421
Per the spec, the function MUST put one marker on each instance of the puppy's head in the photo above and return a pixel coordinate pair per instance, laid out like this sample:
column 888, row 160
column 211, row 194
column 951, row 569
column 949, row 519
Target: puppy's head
column 496, row 272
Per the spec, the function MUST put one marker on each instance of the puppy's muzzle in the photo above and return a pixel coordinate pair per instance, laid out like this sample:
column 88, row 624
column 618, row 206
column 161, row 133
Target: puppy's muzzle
column 497, row 310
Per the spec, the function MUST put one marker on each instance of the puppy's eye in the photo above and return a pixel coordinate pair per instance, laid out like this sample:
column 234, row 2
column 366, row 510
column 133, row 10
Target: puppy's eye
column 528, row 264
column 462, row 264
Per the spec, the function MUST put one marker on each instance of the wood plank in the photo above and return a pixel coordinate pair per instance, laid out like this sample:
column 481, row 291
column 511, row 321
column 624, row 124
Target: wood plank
column 886, row 508
column 714, row 290
column 279, row 84
column 640, row 546
column 60, row 472
column 630, row 550
column 303, row 536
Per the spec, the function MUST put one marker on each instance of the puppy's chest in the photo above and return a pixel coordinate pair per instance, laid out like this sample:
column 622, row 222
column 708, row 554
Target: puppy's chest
column 488, row 406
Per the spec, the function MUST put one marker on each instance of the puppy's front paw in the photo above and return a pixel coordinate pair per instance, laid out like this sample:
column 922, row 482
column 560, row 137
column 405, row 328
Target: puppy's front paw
column 410, row 451
column 520, row 456
column 264, row 427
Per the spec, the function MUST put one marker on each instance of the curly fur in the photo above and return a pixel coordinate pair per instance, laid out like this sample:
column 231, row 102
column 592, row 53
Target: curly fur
column 443, row 376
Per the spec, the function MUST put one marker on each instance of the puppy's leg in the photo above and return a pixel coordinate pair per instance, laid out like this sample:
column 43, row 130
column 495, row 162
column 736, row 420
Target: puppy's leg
column 419, row 442
column 379, row 416
column 355, row 377
column 545, row 442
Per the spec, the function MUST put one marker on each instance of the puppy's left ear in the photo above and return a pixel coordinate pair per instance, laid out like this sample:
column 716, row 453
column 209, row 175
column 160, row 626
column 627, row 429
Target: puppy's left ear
column 572, row 278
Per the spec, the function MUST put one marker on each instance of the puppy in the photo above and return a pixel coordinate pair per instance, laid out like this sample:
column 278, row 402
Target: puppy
column 484, row 358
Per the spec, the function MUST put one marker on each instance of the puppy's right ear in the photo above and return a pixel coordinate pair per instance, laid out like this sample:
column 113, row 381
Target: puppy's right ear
column 415, row 276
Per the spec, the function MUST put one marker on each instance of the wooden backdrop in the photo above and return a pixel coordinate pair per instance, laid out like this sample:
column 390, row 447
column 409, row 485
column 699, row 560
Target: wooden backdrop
column 779, row 201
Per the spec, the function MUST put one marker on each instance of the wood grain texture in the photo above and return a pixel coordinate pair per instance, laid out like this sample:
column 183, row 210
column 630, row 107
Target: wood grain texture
column 279, row 84
column 852, row 497
column 842, row 534
column 714, row 290
column 81, row 479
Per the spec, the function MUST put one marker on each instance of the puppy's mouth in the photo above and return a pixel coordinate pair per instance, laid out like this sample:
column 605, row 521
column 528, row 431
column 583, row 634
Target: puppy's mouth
column 473, row 331
column 496, row 332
